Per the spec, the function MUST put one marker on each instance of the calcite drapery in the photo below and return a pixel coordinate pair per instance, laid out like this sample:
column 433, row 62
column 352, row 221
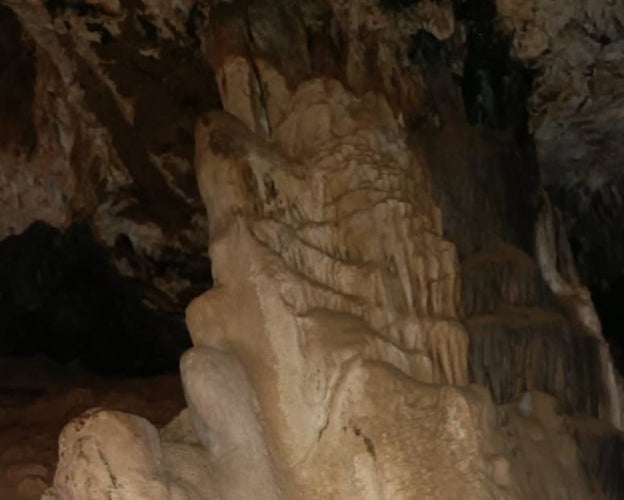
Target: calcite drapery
column 332, row 247
column 336, row 290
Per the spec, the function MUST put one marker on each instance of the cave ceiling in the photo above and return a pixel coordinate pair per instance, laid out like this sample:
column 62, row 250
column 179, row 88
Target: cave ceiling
column 109, row 92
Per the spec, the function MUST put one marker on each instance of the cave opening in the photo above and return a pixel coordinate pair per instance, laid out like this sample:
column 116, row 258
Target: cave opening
column 62, row 296
column 608, row 301
column 83, row 325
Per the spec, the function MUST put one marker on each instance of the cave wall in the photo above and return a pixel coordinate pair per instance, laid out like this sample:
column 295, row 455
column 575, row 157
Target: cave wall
column 519, row 278
column 109, row 104
column 575, row 115
column 393, row 286
column 98, row 117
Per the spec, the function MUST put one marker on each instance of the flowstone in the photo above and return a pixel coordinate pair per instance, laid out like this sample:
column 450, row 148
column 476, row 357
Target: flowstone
column 330, row 358
column 336, row 290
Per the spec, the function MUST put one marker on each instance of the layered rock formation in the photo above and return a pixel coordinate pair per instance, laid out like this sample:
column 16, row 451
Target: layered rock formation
column 395, row 312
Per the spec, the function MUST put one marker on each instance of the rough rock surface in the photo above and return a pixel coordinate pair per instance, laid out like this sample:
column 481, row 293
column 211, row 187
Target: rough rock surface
column 577, row 106
column 576, row 50
column 332, row 282
column 38, row 398
column 99, row 129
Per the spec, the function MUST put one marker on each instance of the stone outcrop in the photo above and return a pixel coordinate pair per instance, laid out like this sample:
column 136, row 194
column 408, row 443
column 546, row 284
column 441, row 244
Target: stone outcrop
column 336, row 291
column 576, row 111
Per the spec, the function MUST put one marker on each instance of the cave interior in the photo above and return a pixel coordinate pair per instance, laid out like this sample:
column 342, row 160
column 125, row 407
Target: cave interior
column 104, row 234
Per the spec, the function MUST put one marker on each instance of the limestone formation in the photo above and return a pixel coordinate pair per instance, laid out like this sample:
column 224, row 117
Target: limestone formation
column 338, row 293
column 340, row 264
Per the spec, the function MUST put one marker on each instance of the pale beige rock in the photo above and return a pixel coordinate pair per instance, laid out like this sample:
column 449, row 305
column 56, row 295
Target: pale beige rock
column 113, row 455
column 120, row 454
column 340, row 263
column 391, row 437
column 543, row 456
column 221, row 407
column 240, row 91
column 179, row 430
column 558, row 268
column 342, row 303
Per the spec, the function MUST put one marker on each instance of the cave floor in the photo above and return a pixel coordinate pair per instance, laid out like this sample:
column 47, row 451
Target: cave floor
column 38, row 397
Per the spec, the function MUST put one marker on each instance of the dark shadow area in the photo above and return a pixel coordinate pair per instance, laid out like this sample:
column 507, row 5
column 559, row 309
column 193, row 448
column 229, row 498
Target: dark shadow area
column 602, row 455
column 609, row 303
column 487, row 183
column 495, row 86
column 61, row 296
column 17, row 82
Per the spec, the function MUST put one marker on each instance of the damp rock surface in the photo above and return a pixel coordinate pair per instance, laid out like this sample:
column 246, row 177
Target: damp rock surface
column 576, row 51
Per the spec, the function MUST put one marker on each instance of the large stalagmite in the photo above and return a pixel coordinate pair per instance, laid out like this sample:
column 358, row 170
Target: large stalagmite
column 330, row 360
column 376, row 330
column 336, row 290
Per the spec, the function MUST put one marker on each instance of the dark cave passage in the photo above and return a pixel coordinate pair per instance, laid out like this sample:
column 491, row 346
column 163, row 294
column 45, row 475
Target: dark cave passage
column 609, row 303
column 61, row 295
